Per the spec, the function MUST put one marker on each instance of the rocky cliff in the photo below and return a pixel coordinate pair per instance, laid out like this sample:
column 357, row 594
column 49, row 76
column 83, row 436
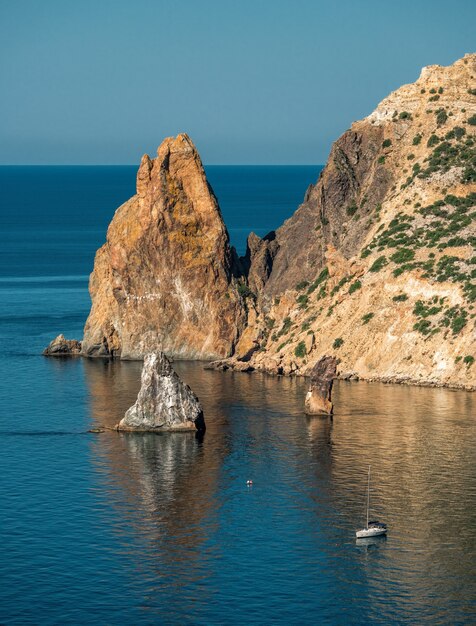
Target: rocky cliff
column 163, row 281
column 377, row 266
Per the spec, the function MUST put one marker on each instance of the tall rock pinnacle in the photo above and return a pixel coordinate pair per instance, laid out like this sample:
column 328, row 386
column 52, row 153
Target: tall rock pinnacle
column 163, row 279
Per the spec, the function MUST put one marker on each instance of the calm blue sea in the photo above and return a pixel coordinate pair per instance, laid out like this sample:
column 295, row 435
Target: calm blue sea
column 161, row 529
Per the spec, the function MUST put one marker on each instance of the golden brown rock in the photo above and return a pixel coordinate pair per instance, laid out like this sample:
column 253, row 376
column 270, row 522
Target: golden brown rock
column 376, row 267
column 318, row 398
column 378, row 262
column 60, row 346
column 163, row 280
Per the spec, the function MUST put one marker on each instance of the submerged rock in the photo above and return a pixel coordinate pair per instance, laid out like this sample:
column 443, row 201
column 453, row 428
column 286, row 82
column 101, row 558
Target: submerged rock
column 164, row 403
column 318, row 398
column 60, row 346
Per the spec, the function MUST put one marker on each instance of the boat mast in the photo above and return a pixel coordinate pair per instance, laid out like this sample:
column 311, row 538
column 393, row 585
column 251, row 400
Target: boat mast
column 368, row 498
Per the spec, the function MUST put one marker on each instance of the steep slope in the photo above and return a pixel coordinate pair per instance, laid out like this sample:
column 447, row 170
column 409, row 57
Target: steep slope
column 164, row 278
column 377, row 266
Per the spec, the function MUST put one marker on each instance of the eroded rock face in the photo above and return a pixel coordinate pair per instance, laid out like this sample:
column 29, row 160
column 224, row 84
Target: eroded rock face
column 353, row 177
column 375, row 267
column 164, row 403
column 164, row 279
column 377, row 263
column 60, row 346
column 318, row 398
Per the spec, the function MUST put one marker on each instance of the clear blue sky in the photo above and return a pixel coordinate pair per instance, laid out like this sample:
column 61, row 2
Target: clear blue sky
column 252, row 81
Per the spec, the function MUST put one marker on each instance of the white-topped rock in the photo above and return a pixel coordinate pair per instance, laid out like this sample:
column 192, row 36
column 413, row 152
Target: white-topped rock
column 165, row 402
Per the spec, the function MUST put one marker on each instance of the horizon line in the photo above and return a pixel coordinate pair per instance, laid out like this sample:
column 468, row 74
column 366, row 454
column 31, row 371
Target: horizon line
column 137, row 165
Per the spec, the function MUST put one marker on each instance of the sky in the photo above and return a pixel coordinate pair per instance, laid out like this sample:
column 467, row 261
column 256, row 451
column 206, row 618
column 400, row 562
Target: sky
column 251, row 81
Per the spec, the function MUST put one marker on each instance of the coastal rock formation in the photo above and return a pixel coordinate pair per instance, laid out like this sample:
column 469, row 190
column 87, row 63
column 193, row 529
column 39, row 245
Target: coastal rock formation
column 164, row 279
column 318, row 398
column 60, row 346
column 376, row 267
column 164, row 402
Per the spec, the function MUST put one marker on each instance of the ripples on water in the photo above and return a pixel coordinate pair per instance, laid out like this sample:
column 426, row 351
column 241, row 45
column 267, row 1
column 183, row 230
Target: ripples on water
column 142, row 528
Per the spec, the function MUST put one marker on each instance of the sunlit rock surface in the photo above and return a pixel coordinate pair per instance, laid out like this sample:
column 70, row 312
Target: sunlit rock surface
column 60, row 346
column 376, row 267
column 318, row 398
column 164, row 278
column 164, row 403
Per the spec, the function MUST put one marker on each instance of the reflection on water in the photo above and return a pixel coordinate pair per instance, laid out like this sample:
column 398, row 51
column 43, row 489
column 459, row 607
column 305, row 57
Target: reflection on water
column 207, row 548
column 118, row 528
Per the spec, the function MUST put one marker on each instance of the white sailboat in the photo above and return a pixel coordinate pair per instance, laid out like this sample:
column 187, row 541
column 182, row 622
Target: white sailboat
column 374, row 527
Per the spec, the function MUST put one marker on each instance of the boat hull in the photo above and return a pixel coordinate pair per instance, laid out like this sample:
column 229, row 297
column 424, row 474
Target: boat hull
column 370, row 532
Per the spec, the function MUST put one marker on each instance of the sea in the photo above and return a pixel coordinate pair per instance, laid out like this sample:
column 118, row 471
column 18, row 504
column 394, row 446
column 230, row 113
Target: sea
column 125, row 528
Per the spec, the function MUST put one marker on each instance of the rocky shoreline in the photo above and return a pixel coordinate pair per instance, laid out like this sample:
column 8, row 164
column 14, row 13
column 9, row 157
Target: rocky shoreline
column 234, row 366
column 245, row 367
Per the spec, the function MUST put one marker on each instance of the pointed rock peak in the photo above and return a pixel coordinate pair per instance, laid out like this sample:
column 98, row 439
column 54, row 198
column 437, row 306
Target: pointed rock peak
column 164, row 281
column 180, row 146
column 177, row 167
column 253, row 241
column 180, row 158
column 143, row 174
column 183, row 143
column 164, row 402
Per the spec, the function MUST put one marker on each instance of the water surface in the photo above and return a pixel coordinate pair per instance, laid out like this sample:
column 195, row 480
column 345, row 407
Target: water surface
column 145, row 529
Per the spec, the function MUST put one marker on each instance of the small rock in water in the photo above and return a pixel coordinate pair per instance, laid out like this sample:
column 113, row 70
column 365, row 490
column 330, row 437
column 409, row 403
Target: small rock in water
column 164, row 403
column 318, row 398
column 60, row 346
